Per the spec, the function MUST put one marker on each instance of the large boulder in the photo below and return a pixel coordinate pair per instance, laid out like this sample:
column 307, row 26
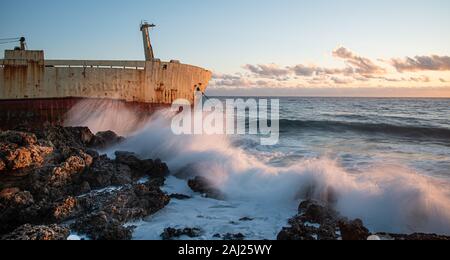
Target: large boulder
column 30, row 232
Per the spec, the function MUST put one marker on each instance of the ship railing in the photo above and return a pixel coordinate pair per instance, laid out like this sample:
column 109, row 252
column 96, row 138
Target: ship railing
column 138, row 65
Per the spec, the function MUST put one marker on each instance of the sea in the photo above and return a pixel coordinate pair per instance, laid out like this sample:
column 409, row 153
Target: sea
column 383, row 160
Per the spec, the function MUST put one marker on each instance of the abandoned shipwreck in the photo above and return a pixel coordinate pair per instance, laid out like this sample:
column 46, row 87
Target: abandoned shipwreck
column 33, row 89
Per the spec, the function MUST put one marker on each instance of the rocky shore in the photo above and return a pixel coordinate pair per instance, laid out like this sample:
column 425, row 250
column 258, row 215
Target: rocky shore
column 54, row 182
column 51, row 183
column 318, row 221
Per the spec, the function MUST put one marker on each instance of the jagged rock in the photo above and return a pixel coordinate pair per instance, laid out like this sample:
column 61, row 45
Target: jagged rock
column 13, row 204
column 100, row 226
column 110, row 211
column 100, row 173
column 29, row 232
column 171, row 233
column 315, row 221
column 64, row 138
column 233, row 237
column 104, row 139
column 298, row 232
column 125, row 169
column 20, row 150
column 54, row 182
column 203, row 186
column 316, row 212
column 66, row 209
column 49, row 189
column 122, row 175
column 159, row 170
column 155, row 169
column 353, row 230
column 83, row 134
column 138, row 201
column 72, row 166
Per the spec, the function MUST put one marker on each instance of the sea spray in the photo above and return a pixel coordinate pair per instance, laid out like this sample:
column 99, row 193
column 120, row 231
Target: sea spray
column 388, row 198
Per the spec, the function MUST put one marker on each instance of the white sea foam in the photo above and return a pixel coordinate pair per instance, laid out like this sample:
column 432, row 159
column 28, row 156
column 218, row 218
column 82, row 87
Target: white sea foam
column 388, row 198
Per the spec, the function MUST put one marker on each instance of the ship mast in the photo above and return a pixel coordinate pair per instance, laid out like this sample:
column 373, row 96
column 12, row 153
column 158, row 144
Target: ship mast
column 148, row 49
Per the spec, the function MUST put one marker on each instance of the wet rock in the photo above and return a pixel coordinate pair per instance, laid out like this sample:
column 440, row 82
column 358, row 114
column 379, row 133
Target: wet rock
column 64, row 138
column 83, row 134
column 54, row 182
column 30, row 232
column 105, row 139
column 203, row 186
column 298, row 232
column 66, row 209
column 122, row 175
column 140, row 168
column 180, row 197
column 101, row 226
column 49, row 184
column 19, row 150
column 111, row 210
column 353, row 230
column 316, row 212
column 138, row 201
column 74, row 165
column 171, row 233
column 13, row 206
column 315, row 221
column 160, row 169
column 100, row 173
column 233, row 237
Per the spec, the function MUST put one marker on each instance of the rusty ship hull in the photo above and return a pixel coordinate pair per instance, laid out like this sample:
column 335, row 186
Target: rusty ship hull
column 33, row 89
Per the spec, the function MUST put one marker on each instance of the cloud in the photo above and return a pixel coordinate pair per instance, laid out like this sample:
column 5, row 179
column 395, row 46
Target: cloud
column 267, row 70
column 238, row 80
column 424, row 79
column 340, row 81
column 304, row 71
column 362, row 65
column 228, row 80
column 308, row 71
column 359, row 71
column 422, row 63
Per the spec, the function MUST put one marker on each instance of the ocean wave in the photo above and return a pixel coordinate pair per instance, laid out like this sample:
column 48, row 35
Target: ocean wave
column 388, row 198
column 375, row 128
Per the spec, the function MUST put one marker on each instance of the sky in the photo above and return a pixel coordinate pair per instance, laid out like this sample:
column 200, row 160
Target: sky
column 275, row 47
